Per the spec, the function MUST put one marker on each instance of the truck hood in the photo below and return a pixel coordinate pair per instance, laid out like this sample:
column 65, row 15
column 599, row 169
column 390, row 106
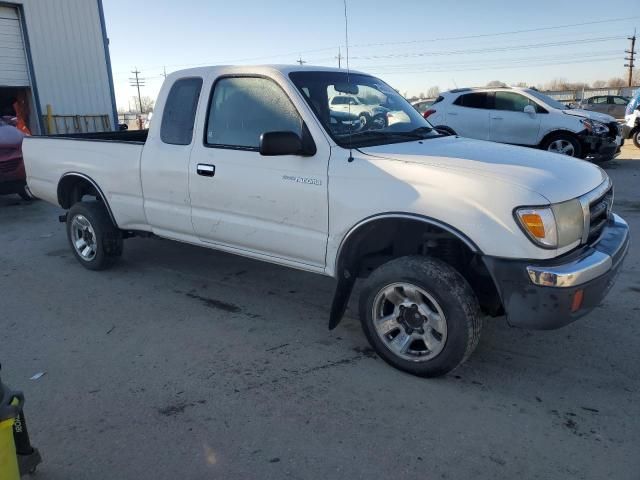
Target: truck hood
column 597, row 116
column 555, row 177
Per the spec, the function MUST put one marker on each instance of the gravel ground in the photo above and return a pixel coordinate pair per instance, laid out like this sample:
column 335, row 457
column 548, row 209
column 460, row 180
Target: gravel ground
column 188, row 363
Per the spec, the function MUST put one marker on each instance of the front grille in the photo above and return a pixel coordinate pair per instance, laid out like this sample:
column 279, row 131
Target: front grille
column 599, row 211
column 9, row 165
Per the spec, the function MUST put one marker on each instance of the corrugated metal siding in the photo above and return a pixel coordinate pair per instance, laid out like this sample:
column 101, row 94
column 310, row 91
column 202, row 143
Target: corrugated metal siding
column 68, row 56
column 13, row 60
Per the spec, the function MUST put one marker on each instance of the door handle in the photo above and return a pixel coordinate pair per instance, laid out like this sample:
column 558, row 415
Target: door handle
column 206, row 170
column 496, row 118
column 453, row 113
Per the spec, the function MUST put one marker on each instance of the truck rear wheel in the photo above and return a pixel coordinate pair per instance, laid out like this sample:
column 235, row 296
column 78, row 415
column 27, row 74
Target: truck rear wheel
column 95, row 240
column 420, row 315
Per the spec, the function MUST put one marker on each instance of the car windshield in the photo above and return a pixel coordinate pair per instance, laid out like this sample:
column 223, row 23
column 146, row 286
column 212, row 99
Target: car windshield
column 359, row 110
column 548, row 100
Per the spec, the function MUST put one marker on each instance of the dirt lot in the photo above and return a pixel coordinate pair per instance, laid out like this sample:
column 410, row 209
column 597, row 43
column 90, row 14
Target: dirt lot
column 188, row 363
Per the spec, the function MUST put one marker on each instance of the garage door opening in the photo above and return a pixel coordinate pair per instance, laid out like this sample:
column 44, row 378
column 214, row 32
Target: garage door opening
column 15, row 103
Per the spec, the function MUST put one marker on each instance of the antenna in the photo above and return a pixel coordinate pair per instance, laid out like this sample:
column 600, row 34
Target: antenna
column 346, row 41
column 346, row 35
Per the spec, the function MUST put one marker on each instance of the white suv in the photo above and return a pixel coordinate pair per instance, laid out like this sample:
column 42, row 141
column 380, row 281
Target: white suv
column 523, row 116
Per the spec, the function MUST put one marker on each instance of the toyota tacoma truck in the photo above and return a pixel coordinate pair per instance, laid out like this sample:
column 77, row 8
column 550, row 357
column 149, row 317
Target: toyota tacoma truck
column 439, row 231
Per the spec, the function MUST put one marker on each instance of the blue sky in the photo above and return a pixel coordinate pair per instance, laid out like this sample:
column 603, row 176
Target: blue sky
column 411, row 44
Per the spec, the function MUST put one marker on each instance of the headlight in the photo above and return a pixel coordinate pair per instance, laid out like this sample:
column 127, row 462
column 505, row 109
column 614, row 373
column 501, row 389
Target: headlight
column 556, row 226
column 595, row 128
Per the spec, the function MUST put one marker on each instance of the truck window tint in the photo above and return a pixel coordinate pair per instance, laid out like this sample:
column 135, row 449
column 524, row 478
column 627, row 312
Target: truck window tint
column 473, row 100
column 510, row 101
column 243, row 108
column 180, row 111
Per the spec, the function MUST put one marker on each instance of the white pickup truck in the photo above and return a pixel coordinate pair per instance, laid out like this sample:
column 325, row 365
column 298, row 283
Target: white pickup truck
column 441, row 230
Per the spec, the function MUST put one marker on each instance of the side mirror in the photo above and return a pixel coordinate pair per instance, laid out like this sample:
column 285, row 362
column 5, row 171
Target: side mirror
column 280, row 143
column 530, row 109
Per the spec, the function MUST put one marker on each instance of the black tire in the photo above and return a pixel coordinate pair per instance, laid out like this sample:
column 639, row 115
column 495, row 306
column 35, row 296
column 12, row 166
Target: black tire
column 365, row 120
column 456, row 300
column 563, row 137
column 635, row 137
column 444, row 130
column 107, row 240
column 380, row 120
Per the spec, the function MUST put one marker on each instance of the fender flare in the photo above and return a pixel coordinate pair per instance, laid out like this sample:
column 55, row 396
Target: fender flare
column 346, row 279
column 94, row 184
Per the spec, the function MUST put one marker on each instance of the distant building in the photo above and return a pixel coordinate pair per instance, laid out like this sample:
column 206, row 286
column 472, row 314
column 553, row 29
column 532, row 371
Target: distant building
column 54, row 57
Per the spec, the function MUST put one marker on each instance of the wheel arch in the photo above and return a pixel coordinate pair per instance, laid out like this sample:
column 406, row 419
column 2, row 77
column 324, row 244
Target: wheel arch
column 73, row 186
column 558, row 131
column 382, row 237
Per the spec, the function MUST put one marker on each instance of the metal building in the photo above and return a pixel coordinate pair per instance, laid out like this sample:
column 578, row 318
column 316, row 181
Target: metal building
column 54, row 65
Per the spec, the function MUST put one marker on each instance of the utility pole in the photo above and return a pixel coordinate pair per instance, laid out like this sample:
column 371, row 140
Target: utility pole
column 300, row 61
column 165, row 72
column 339, row 58
column 631, row 57
column 137, row 82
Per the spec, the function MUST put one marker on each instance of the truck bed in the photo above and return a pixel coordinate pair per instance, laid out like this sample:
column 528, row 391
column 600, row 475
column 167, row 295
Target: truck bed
column 110, row 159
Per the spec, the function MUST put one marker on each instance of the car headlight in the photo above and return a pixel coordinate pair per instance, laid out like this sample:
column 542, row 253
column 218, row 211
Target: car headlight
column 555, row 226
column 595, row 128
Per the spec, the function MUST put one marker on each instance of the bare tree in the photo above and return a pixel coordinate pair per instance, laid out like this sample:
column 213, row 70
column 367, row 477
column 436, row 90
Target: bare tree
column 599, row 84
column 496, row 83
column 521, row 84
column 433, row 92
column 147, row 104
column 635, row 79
column 421, row 95
column 616, row 82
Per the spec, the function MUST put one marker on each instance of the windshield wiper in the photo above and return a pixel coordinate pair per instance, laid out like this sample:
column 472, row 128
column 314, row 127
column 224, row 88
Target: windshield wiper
column 420, row 133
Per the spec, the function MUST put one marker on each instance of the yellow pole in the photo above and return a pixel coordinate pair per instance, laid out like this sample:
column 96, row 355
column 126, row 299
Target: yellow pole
column 49, row 119
column 9, row 469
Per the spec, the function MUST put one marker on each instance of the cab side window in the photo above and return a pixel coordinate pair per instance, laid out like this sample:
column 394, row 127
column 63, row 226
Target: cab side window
column 243, row 108
column 510, row 101
column 474, row 100
column 179, row 113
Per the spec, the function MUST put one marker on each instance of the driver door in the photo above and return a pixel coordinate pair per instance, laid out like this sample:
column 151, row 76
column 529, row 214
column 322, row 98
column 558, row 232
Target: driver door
column 275, row 206
column 509, row 123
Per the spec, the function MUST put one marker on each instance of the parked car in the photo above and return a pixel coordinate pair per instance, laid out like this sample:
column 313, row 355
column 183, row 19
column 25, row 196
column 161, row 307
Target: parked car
column 614, row 105
column 632, row 119
column 12, row 173
column 367, row 113
column 441, row 230
column 524, row 116
column 423, row 105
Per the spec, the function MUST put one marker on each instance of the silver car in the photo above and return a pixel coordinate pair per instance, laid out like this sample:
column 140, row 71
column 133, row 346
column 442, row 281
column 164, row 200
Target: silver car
column 613, row 105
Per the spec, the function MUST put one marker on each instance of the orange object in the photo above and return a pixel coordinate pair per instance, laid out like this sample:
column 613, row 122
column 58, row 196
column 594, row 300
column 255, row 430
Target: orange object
column 534, row 224
column 577, row 300
column 22, row 115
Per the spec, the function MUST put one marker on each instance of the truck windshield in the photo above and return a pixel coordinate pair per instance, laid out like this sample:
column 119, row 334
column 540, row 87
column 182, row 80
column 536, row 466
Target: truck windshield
column 359, row 110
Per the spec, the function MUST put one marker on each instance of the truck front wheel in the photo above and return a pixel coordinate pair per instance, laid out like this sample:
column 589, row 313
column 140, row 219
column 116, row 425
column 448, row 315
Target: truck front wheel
column 95, row 240
column 420, row 315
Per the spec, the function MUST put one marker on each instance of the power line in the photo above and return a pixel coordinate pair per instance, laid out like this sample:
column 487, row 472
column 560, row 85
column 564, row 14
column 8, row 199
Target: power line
column 505, row 67
column 488, row 50
column 496, row 34
column 463, row 37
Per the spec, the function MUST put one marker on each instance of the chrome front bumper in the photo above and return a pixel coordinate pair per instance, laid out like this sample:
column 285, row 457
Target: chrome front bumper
column 591, row 266
column 553, row 293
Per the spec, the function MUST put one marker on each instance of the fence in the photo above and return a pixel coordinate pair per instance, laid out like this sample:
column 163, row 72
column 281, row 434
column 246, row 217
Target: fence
column 60, row 124
column 577, row 95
